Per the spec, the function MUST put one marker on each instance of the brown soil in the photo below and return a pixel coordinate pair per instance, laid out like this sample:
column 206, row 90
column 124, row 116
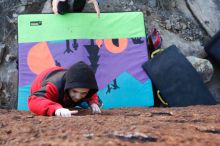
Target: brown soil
column 191, row 126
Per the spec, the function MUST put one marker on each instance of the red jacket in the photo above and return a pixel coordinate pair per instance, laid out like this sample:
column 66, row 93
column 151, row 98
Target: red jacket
column 48, row 95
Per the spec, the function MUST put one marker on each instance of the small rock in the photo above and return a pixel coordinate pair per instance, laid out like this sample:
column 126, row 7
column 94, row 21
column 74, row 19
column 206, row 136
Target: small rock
column 177, row 26
column 15, row 15
column 184, row 26
column 8, row 131
column 29, row 116
column 3, row 100
column 24, row 2
column 1, row 85
column 207, row 22
column 10, row 58
column 168, row 24
column 131, row 3
column 173, row 4
column 134, row 137
column 152, row 3
column 203, row 67
column 16, row 117
column 189, row 24
column 190, row 38
column 29, row 3
column 161, row 114
column 209, row 130
column 64, row 137
column 89, row 135
column 2, row 50
column 1, row 125
column 45, row 144
column 133, row 114
column 27, row 129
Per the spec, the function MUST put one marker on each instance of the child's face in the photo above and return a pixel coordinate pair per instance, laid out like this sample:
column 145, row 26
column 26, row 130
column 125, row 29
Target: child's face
column 76, row 94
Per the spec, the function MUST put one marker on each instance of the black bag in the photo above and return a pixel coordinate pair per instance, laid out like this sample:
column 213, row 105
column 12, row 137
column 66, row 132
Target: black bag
column 213, row 47
column 176, row 79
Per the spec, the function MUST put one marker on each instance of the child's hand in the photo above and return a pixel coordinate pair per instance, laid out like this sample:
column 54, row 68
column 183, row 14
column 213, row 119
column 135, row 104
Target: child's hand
column 63, row 112
column 95, row 109
column 95, row 3
column 55, row 5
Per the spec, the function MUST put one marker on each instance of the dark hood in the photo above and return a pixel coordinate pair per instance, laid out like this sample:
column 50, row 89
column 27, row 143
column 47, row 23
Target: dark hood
column 80, row 75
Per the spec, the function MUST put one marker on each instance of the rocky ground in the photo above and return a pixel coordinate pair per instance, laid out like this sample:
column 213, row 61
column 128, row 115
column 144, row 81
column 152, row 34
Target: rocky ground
column 191, row 126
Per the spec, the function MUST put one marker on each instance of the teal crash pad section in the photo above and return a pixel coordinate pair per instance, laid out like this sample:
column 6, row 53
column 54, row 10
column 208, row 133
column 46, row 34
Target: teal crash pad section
column 23, row 93
column 127, row 95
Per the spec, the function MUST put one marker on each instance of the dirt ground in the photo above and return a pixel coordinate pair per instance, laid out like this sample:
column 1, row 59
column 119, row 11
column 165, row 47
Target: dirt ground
column 190, row 126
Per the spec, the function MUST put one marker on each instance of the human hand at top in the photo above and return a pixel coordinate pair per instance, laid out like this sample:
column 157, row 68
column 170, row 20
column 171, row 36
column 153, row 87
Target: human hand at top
column 96, row 6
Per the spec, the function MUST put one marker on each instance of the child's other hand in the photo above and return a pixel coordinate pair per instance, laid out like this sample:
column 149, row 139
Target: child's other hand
column 95, row 109
column 96, row 6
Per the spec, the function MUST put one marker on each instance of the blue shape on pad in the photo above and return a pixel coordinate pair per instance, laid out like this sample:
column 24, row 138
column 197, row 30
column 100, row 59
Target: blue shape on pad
column 23, row 94
column 131, row 93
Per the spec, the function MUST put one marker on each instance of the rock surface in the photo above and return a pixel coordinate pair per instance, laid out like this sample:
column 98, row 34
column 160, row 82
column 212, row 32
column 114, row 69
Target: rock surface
column 180, row 22
column 191, row 126
column 206, row 12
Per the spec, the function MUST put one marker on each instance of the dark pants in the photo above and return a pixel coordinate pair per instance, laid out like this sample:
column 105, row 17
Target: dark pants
column 67, row 6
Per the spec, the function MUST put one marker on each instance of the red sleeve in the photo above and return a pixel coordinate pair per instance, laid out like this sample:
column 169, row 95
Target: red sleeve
column 44, row 101
column 93, row 99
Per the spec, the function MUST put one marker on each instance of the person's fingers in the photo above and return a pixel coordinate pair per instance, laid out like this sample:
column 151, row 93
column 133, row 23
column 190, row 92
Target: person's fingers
column 98, row 14
column 59, row 113
column 97, row 9
column 74, row 112
column 96, row 6
column 96, row 110
column 99, row 111
column 54, row 5
column 66, row 113
column 62, row 114
column 69, row 115
column 93, row 111
column 55, row 10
